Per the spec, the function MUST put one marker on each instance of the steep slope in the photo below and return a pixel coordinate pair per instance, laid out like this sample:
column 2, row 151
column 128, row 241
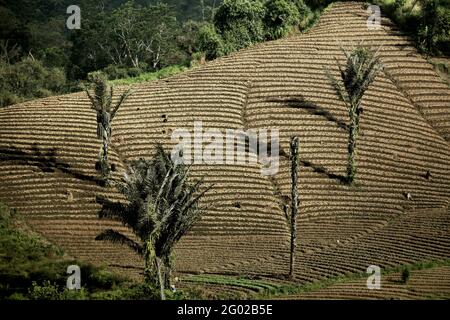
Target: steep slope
column 48, row 150
column 424, row 284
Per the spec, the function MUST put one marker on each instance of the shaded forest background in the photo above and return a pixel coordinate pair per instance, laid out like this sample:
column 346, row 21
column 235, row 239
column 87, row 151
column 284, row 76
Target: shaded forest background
column 40, row 56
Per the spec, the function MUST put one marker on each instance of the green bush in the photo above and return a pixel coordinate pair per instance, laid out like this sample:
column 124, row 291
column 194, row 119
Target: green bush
column 53, row 57
column 307, row 16
column 29, row 79
column 24, row 258
column 237, row 38
column 434, row 27
column 17, row 296
column 319, row 4
column 406, row 273
column 240, row 23
column 232, row 12
column 46, row 291
column 32, row 268
column 151, row 76
column 51, row 291
column 8, row 98
column 280, row 17
column 114, row 72
column 127, row 292
column 96, row 278
column 428, row 23
column 210, row 42
column 399, row 4
column 116, row 294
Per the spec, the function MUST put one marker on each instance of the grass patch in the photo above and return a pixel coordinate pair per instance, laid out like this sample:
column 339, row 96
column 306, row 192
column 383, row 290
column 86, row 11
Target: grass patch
column 33, row 268
column 151, row 76
column 255, row 285
column 268, row 290
column 310, row 287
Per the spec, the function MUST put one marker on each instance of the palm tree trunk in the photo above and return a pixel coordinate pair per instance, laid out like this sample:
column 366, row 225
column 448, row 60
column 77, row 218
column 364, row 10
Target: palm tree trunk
column 106, row 123
column 151, row 267
column 352, row 139
column 147, row 267
column 105, row 150
column 294, row 197
column 167, row 271
column 160, row 278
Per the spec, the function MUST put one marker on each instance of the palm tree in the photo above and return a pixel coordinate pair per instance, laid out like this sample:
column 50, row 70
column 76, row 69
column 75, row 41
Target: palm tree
column 162, row 206
column 294, row 197
column 101, row 102
column 360, row 71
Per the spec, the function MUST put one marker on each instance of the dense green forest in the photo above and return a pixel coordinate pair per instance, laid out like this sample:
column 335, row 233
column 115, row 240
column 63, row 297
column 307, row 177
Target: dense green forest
column 40, row 56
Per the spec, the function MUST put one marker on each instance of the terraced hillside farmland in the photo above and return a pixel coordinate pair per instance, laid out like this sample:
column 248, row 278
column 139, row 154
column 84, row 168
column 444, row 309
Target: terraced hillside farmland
column 424, row 284
column 48, row 150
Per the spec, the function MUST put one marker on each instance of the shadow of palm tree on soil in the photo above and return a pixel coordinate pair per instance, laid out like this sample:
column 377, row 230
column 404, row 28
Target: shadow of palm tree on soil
column 45, row 160
column 299, row 102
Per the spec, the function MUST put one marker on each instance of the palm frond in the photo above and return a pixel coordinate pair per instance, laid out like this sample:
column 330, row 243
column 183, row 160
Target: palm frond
column 339, row 90
column 123, row 97
column 362, row 67
column 179, row 188
column 94, row 103
column 192, row 202
column 162, row 204
column 109, row 100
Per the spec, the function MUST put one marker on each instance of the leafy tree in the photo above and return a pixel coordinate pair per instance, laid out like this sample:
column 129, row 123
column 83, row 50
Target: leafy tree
column 240, row 23
column 28, row 79
column 361, row 69
column 399, row 4
column 87, row 54
column 188, row 39
column 101, row 102
column 307, row 16
column 131, row 36
column 199, row 10
column 435, row 24
column 142, row 33
column 210, row 42
column 280, row 17
column 318, row 4
column 162, row 206
column 13, row 34
column 233, row 12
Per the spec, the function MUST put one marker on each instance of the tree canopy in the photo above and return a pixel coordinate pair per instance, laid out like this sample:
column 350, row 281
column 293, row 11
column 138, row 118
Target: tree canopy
column 127, row 38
